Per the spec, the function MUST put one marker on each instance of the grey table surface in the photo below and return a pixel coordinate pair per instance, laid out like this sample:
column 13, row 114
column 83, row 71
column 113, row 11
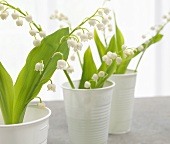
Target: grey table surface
column 151, row 123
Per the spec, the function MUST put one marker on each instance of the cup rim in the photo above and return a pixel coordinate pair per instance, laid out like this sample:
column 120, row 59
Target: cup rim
column 112, row 84
column 131, row 73
column 30, row 122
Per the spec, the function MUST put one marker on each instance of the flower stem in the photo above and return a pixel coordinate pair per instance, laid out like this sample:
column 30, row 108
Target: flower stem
column 139, row 60
column 69, row 79
column 79, row 60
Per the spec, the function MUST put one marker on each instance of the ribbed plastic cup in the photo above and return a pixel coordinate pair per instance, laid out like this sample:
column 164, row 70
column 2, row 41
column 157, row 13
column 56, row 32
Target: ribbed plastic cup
column 122, row 102
column 88, row 112
column 34, row 129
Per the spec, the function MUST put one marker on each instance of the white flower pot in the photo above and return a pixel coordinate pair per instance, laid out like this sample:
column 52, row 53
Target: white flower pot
column 88, row 112
column 122, row 102
column 34, row 129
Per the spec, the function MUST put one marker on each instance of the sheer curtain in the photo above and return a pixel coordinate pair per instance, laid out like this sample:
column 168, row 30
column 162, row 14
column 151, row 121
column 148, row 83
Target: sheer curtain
column 134, row 19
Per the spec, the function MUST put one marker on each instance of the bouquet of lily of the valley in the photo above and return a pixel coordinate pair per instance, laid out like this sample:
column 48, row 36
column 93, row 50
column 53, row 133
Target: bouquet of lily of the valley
column 117, row 45
column 49, row 54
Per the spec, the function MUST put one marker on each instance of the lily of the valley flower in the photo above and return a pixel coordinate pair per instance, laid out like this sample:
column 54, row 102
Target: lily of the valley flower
column 100, row 26
column 72, row 57
column 42, row 34
column 41, row 105
column 101, row 74
column 118, row 60
column 92, row 22
column 15, row 15
column 33, row 32
column 61, row 64
column 4, row 15
column 19, row 22
column 39, row 66
column 140, row 48
column 87, row 84
column 28, row 18
column 36, row 42
column 124, row 47
column 95, row 77
column 51, row 87
column 70, row 69
column 1, row 7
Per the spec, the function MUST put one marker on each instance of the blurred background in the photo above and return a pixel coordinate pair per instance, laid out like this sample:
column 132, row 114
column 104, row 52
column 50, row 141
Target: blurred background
column 134, row 17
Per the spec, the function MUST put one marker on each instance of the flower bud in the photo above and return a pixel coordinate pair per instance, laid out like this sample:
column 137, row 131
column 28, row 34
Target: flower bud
column 87, row 84
column 72, row 57
column 124, row 47
column 109, row 61
column 36, row 42
column 19, row 22
column 140, row 48
column 106, row 11
column 104, row 58
column 111, row 55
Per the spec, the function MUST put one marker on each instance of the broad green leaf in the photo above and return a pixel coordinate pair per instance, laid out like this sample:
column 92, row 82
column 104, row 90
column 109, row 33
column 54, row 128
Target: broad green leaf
column 100, row 47
column 119, row 39
column 29, row 81
column 112, row 44
column 6, row 95
column 89, row 68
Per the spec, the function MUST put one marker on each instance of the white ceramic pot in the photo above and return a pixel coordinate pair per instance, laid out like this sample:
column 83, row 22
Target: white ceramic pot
column 88, row 112
column 34, row 129
column 122, row 102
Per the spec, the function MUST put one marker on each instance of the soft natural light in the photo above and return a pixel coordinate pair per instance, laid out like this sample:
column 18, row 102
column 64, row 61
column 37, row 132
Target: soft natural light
column 134, row 19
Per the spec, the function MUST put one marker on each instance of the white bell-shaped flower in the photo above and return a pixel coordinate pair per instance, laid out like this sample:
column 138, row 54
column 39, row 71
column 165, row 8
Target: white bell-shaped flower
column 39, row 66
column 4, row 15
column 1, row 7
column 95, row 77
column 92, row 22
column 124, row 47
column 42, row 34
column 33, row 32
column 19, row 22
column 70, row 69
column 51, row 87
column 106, row 11
column 84, row 37
column 72, row 57
column 109, row 61
column 15, row 15
column 105, row 58
column 105, row 21
column 87, row 84
column 36, row 42
column 111, row 55
column 71, row 43
column 90, row 35
column 118, row 60
column 61, row 64
column 100, row 26
column 101, row 74
column 79, row 46
column 140, row 48
column 28, row 18
column 41, row 105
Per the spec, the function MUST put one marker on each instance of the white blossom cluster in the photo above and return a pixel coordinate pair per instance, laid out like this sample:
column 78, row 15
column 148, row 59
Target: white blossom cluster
column 104, row 13
column 4, row 13
column 109, row 57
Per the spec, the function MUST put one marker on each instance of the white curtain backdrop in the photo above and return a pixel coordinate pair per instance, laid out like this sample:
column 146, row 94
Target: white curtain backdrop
column 134, row 17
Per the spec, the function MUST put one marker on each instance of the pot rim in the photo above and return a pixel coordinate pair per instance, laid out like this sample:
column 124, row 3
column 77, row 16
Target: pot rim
column 30, row 122
column 131, row 73
column 97, row 89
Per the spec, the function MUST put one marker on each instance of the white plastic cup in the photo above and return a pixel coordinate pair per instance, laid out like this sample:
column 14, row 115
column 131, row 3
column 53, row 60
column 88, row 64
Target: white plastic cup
column 88, row 112
column 34, row 129
column 122, row 102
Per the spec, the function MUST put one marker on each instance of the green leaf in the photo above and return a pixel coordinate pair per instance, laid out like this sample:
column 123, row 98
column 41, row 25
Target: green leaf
column 89, row 68
column 29, row 82
column 112, row 44
column 6, row 95
column 100, row 47
column 123, row 66
column 119, row 39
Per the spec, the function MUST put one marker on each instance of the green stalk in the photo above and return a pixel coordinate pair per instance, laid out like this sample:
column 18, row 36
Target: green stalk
column 79, row 60
column 69, row 79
